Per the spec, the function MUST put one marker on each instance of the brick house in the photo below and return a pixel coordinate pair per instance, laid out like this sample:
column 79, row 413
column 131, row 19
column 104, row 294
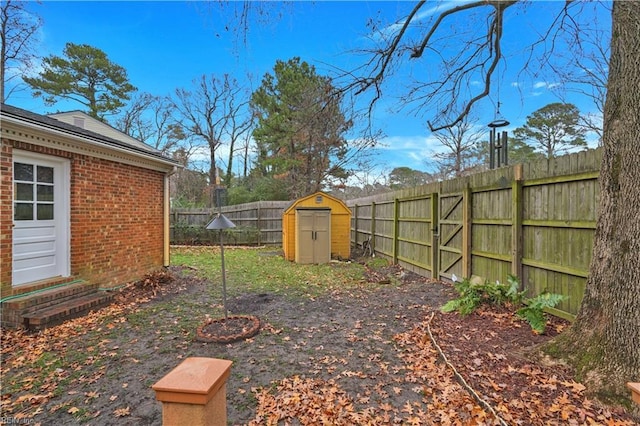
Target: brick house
column 84, row 209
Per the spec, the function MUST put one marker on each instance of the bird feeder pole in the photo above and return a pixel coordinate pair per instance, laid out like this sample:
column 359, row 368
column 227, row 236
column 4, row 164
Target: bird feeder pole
column 220, row 222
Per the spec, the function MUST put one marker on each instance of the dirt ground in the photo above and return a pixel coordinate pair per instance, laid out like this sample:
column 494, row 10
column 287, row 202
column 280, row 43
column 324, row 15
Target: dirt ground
column 373, row 355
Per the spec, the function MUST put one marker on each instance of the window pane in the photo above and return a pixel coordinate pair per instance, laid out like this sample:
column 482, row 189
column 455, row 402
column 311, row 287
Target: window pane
column 45, row 174
column 45, row 193
column 45, row 211
column 23, row 171
column 23, row 211
column 23, row 192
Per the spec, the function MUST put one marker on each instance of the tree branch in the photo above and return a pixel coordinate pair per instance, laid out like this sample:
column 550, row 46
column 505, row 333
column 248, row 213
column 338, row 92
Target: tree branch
column 495, row 34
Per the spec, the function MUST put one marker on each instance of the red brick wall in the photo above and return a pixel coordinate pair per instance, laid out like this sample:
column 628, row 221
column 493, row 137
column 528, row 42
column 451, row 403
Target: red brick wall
column 6, row 212
column 116, row 219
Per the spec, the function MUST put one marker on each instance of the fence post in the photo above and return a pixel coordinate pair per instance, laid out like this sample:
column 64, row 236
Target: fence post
column 516, row 223
column 467, row 195
column 354, row 216
column 372, row 240
column 194, row 393
column 435, row 237
column 259, row 222
column 396, row 224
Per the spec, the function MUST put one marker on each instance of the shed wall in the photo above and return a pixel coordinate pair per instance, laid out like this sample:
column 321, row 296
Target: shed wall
column 340, row 224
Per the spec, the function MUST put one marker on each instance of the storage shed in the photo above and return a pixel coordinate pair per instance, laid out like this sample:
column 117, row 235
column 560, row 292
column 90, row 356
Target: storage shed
column 316, row 228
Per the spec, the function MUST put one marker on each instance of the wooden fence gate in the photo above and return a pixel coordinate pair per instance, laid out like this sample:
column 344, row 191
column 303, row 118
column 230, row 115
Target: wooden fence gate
column 452, row 234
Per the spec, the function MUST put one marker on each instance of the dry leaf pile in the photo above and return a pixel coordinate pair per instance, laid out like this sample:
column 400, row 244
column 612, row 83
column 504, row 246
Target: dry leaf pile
column 454, row 371
column 381, row 354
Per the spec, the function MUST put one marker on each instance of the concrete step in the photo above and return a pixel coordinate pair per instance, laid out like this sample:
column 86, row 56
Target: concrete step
column 67, row 309
column 48, row 297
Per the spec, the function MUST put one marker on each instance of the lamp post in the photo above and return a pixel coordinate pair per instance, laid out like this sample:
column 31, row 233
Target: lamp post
column 220, row 222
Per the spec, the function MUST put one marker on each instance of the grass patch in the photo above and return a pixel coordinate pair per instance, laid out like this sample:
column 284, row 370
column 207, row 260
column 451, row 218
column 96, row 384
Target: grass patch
column 176, row 314
column 252, row 270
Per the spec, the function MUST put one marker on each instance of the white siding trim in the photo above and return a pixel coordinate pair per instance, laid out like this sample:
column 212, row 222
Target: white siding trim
column 56, row 139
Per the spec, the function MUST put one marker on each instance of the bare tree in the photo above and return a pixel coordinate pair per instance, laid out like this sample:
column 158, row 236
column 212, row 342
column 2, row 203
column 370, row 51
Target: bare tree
column 238, row 131
column 208, row 113
column 245, row 150
column 603, row 341
column 368, row 178
column 461, row 147
column 574, row 51
column 241, row 17
column 476, row 60
column 151, row 119
column 188, row 187
column 18, row 31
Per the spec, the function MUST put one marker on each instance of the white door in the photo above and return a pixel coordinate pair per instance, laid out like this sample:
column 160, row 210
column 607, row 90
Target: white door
column 40, row 217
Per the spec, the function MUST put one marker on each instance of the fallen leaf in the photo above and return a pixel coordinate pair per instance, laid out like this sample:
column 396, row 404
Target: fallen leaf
column 122, row 412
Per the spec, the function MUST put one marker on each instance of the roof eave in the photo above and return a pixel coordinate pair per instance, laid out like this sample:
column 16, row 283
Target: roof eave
column 9, row 120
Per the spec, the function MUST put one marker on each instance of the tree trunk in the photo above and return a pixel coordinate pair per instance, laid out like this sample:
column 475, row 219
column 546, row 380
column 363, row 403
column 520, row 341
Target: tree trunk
column 229, row 173
column 604, row 341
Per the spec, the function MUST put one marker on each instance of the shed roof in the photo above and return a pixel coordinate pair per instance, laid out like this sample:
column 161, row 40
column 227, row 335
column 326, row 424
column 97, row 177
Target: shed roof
column 294, row 203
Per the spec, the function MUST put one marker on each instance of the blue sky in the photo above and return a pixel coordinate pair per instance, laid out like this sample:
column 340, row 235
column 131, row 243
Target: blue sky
column 165, row 45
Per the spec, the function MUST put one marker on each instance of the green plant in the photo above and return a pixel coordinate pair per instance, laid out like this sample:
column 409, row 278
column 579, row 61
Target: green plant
column 473, row 294
column 533, row 311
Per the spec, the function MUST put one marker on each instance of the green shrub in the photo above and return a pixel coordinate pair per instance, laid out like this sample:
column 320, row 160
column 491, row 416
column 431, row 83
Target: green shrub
column 473, row 294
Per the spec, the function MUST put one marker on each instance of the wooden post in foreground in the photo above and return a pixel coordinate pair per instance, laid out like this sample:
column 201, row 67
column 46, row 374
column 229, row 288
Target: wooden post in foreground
column 194, row 393
column 635, row 391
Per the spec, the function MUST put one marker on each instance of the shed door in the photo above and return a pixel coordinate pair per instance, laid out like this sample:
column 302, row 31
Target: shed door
column 313, row 236
column 40, row 217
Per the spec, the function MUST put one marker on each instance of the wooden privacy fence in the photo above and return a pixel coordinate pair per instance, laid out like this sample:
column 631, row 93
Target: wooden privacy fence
column 535, row 221
column 258, row 223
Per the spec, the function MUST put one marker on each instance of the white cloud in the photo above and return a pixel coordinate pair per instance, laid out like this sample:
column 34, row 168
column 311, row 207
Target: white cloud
column 392, row 29
column 407, row 151
column 545, row 85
